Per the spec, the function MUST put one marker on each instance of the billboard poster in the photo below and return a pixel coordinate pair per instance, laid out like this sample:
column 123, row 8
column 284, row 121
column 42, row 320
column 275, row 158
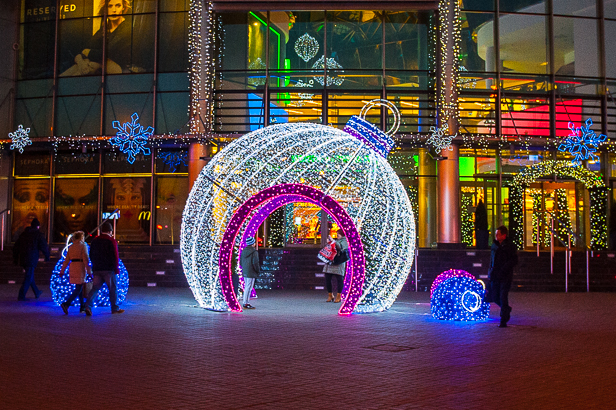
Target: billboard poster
column 30, row 200
column 75, row 206
column 131, row 196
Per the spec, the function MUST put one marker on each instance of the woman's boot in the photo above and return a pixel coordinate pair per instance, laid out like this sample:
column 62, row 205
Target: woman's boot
column 337, row 300
column 330, row 297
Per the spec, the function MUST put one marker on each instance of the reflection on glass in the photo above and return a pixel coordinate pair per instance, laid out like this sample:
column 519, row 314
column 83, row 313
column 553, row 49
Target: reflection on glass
column 523, row 43
column 171, row 195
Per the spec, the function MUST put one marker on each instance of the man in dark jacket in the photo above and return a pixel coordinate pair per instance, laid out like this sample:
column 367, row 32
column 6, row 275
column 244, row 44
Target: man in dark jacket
column 504, row 257
column 105, row 268
column 250, row 270
column 26, row 255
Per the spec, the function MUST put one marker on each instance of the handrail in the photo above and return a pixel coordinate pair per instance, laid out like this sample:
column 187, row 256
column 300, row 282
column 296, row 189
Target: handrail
column 8, row 212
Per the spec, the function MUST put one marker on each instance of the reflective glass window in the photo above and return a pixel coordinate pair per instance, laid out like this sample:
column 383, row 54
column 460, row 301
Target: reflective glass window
column 30, row 200
column 575, row 47
column 131, row 196
column 171, row 196
column 75, row 206
column 523, row 43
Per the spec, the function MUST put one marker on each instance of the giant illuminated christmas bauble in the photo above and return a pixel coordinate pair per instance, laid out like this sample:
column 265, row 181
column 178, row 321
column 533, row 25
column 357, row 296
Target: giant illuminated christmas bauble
column 343, row 171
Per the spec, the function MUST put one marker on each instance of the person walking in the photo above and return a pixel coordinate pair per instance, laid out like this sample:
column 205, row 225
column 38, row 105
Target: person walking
column 26, row 254
column 336, row 269
column 105, row 268
column 78, row 262
column 503, row 258
column 249, row 260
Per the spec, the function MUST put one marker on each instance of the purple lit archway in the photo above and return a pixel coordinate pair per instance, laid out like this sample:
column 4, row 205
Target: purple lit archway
column 264, row 203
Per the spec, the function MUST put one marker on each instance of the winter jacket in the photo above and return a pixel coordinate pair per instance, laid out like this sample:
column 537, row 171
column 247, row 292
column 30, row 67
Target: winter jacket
column 27, row 247
column 104, row 254
column 250, row 262
column 341, row 245
column 503, row 258
column 78, row 263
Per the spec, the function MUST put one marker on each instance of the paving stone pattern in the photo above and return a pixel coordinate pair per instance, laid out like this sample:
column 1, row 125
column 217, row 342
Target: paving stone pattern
column 294, row 352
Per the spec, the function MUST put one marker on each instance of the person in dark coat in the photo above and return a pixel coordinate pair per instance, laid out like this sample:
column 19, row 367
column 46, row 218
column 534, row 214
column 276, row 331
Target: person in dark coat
column 502, row 261
column 26, row 254
column 105, row 268
column 249, row 260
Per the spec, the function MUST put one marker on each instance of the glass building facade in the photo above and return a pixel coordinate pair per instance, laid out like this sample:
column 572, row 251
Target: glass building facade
column 528, row 69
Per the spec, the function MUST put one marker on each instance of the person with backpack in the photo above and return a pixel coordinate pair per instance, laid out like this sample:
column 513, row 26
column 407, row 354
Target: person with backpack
column 337, row 268
column 249, row 260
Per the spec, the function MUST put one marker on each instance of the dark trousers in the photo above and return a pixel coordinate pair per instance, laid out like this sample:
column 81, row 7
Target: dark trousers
column 499, row 291
column 76, row 293
column 98, row 279
column 339, row 282
column 28, row 283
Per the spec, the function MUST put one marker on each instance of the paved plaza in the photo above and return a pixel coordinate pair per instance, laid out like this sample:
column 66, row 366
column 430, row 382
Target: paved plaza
column 294, row 352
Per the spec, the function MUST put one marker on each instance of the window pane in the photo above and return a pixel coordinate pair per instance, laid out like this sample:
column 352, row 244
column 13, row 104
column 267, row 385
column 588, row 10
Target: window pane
column 171, row 113
column 75, row 206
column 171, row 161
column 29, row 164
column 132, row 197
column 76, row 37
column 523, row 47
column 171, row 196
column 78, row 115
column 575, row 47
column 115, row 162
column 173, row 42
column 76, row 163
column 36, row 56
column 610, row 48
column 406, row 40
column 477, row 48
column 30, row 200
column 354, row 39
column 522, row 6
column 575, row 8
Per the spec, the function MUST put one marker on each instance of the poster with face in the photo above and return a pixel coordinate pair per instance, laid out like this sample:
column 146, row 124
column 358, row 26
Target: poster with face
column 75, row 206
column 131, row 196
column 30, row 200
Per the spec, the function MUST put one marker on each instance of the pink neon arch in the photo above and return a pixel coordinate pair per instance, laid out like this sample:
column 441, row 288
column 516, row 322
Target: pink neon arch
column 266, row 202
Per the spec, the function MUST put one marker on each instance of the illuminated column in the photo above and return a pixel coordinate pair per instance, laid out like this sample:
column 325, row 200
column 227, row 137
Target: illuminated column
column 427, row 200
column 449, row 197
column 448, row 113
column 198, row 157
column 201, row 47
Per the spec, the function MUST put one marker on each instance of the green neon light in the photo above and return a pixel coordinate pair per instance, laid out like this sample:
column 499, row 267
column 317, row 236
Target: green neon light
column 273, row 31
column 467, row 166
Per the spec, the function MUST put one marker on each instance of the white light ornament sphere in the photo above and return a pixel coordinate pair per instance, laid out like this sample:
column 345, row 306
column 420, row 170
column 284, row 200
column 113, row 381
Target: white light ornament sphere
column 346, row 173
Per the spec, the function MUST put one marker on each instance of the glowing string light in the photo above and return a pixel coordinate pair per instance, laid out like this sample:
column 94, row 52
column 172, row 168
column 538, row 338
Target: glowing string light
column 458, row 296
column 306, row 47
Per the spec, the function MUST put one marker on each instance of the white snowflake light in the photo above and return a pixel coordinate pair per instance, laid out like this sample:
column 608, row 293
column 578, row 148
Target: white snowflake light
column 331, row 65
column 300, row 162
column 306, row 47
column 174, row 159
column 131, row 137
column 19, row 138
column 440, row 139
column 582, row 143
column 304, row 96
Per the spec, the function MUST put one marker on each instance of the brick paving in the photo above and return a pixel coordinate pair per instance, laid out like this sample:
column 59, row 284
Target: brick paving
column 294, row 352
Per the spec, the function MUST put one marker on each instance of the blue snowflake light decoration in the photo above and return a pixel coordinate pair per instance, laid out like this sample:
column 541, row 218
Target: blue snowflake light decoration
column 131, row 137
column 459, row 298
column 582, row 143
column 61, row 288
column 174, row 159
column 19, row 138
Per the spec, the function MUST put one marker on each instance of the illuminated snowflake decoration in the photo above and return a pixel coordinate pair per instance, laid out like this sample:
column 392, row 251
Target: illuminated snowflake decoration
column 440, row 139
column 174, row 159
column 582, row 143
column 19, row 138
column 306, row 47
column 287, row 163
column 259, row 79
column 131, row 137
column 331, row 65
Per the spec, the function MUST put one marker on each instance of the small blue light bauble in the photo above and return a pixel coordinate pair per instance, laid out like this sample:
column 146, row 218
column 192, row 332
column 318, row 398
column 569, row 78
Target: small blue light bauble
column 459, row 298
column 61, row 288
